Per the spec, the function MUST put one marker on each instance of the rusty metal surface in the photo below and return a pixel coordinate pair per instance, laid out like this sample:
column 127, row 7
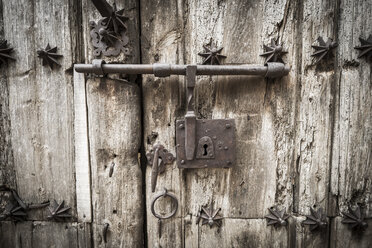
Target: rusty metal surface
column 277, row 217
column 16, row 209
column 5, row 51
column 13, row 212
column 165, row 70
column 104, row 231
column 190, row 118
column 109, row 33
column 273, row 52
column 222, row 134
column 355, row 219
column 212, row 54
column 58, row 212
column 365, row 48
column 106, row 41
column 158, row 157
column 316, row 220
column 49, row 56
column 164, row 193
column 323, row 49
column 103, row 7
column 210, row 217
column 205, row 148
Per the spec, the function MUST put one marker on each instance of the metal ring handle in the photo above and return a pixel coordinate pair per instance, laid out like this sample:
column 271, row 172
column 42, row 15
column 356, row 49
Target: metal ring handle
column 164, row 194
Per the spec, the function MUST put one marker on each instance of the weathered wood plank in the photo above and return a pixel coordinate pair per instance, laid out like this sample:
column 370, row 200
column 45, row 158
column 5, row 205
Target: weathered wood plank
column 242, row 233
column 82, row 167
column 343, row 236
column 303, row 237
column 315, row 111
column 41, row 101
column 16, row 235
column 252, row 101
column 114, row 138
column 40, row 234
column 84, row 235
column 351, row 177
column 49, row 234
column 7, row 174
column 162, row 42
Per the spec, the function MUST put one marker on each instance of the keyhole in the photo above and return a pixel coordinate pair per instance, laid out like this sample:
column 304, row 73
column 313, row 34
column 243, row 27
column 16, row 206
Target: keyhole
column 205, row 153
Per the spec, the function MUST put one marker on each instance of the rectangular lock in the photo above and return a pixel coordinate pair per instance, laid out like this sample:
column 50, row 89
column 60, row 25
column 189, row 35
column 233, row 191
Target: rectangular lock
column 214, row 144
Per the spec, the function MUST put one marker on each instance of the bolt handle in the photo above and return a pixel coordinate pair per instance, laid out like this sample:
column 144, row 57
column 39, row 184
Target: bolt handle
column 158, row 157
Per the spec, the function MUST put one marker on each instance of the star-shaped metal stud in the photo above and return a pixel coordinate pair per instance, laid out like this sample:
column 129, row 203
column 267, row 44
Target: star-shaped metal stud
column 212, row 54
column 355, row 219
column 49, row 56
column 276, row 217
column 273, row 52
column 26, row 206
column 5, row 51
column 13, row 212
column 108, row 37
column 116, row 22
column 58, row 212
column 323, row 49
column 316, row 220
column 209, row 216
column 365, row 48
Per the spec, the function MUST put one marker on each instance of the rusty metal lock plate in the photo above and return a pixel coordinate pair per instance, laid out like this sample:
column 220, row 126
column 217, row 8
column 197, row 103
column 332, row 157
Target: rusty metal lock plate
column 215, row 144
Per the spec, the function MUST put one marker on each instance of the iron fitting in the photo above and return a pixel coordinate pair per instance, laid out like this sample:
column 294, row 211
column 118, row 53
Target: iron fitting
column 97, row 66
column 162, row 70
column 275, row 69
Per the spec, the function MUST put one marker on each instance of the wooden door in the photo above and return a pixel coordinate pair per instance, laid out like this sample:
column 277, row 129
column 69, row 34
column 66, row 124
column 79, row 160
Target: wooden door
column 302, row 141
column 66, row 136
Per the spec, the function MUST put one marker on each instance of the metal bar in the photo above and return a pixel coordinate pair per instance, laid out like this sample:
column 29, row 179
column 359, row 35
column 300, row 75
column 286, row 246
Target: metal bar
column 190, row 118
column 103, row 7
column 271, row 70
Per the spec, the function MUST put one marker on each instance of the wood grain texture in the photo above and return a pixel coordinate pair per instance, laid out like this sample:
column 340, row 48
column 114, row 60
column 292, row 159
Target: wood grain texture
column 257, row 181
column 41, row 101
column 7, row 173
column 343, row 236
column 114, row 120
column 82, row 166
column 352, row 144
column 242, row 233
column 114, row 138
column 161, row 42
column 315, row 111
column 40, row 234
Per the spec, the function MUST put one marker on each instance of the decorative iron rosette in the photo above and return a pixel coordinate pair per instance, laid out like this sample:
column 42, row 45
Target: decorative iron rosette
column 106, row 41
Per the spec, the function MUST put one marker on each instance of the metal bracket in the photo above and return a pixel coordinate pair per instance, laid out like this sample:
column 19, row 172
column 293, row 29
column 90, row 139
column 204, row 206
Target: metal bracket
column 164, row 194
column 158, row 157
column 220, row 154
column 216, row 138
column 109, row 33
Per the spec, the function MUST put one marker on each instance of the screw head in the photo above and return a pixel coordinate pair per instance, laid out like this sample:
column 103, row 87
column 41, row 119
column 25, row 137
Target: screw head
column 225, row 148
column 181, row 126
column 182, row 161
column 228, row 126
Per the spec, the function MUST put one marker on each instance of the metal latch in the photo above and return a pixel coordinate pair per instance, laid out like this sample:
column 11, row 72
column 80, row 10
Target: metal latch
column 200, row 143
column 203, row 143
